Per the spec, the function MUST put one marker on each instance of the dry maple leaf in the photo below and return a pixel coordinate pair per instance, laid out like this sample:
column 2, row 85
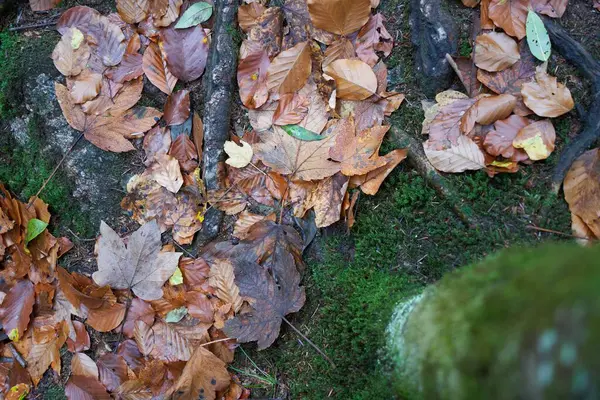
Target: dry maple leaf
column 341, row 17
column 354, row 79
column 239, row 156
column 299, row 159
column 495, row 51
column 140, row 266
column 537, row 139
column 186, row 51
column 156, row 70
column 370, row 183
column 462, row 156
column 221, row 277
column 510, row 15
column 203, row 375
column 582, row 189
column 546, row 96
column 289, row 71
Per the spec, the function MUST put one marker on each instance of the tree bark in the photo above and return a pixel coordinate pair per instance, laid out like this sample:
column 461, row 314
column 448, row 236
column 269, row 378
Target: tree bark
column 219, row 84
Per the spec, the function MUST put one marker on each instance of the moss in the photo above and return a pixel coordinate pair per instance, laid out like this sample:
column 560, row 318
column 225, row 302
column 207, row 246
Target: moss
column 521, row 324
column 21, row 57
column 23, row 169
column 54, row 392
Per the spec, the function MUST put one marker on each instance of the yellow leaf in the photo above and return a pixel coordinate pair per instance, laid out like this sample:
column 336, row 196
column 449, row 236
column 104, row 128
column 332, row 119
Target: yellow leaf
column 176, row 278
column 239, row 156
column 14, row 335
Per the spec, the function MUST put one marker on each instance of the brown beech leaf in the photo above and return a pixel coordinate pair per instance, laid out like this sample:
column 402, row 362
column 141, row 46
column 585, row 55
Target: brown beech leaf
column 85, row 388
column 444, row 129
column 546, row 96
column 157, row 141
column 551, row 8
column 203, row 375
column 134, row 389
column 109, row 40
column 155, row 68
column 459, row 157
column 245, row 221
column 340, row 49
column 499, row 142
column 487, row 110
column 177, row 108
column 43, row 355
column 71, row 53
column 317, row 116
column 299, row 159
column 248, row 15
column 43, row 5
column 199, row 306
column 354, row 79
column 169, row 341
column 185, row 152
column 299, row 25
column 82, row 339
column 289, row 71
column 510, row 80
column 291, row 109
column 495, row 51
column 114, row 98
column 373, row 37
column 167, row 173
column 83, row 365
column 81, row 17
column 186, row 51
column 341, row 17
column 133, row 11
column 582, row 189
column 107, row 317
column 221, row 278
column 268, row 31
column 138, row 310
column 85, row 86
column 130, row 68
column 370, row 183
column 467, row 73
column 16, row 309
column 140, row 266
column 170, row 14
column 327, row 199
column 537, row 139
column 358, row 152
column 510, row 15
column 113, row 371
column 252, row 78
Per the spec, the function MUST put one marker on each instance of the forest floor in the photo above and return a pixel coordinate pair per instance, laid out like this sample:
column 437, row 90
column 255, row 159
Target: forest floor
column 405, row 237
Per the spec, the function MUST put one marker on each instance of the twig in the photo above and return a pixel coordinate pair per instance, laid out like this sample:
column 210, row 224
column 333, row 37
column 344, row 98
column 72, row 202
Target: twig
column 17, row 355
column 55, row 169
column 32, row 26
column 127, row 307
column 216, row 341
column 6, row 359
column 537, row 228
column 184, row 250
column 78, row 238
column 314, row 346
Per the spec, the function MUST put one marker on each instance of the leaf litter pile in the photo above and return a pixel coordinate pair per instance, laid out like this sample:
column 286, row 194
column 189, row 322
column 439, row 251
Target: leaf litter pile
column 311, row 78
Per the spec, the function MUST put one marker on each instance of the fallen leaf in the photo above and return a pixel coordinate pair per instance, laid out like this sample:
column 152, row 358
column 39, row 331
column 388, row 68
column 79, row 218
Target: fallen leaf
column 327, row 199
column 130, row 68
column 582, row 189
column 221, row 278
column 184, row 150
column 495, row 51
column 170, row 15
column 268, row 31
column 110, row 41
column 113, row 371
column 169, row 342
column 546, row 97
column 537, row 37
column 140, row 267
column 196, row 14
column 444, row 128
column 138, row 310
column 317, row 116
column 177, row 108
column 301, row 133
column 297, row 158
column 354, row 79
column 43, row 355
column 467, row 73
column 499, row 142
column 510, row 15
column 203, row 375
column 43, row 5
column 370, row 183
column 133, row 11
column 186, row 51
column 167, row 173
column 292, row 108
column 252, row 78
column 16, row 309
column 340, row 49
column 239, row 156
column 83, row 365
column 156, row 142
column 551, row 8
column 82, row 339
column 341, row 17
column 85, row 387
column 85, row 86
column 71, row 53
column 462, row 156
column 289, row 70
column 371, row 38
column 155, row 68
column 107, row 317
column 487, row 110
column 245, row 221
column 248, row 15
column 537, row 139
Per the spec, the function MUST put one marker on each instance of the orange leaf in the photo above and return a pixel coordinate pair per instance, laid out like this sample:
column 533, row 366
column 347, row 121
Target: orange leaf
column 546, row 97
column 495, row 51
column 291, row 109
column 289, row 71
column 16, row 309
column 252, row 79
column 85, row 388
column 354, row 79
column 107, row 317
column 155, row 68
column 82, row 338
column 133, row 11
column 582, row 189
column 339, row 16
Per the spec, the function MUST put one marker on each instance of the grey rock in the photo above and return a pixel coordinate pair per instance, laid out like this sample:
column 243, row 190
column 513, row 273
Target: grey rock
column 433, row 35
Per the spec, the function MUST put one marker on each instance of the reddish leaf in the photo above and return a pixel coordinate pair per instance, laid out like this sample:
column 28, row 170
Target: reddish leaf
column 177, row 108
column 291, row 109
column 130, row 68
column 113, row 371
column 43, row 5
column 252, row 79
column 85, row 388
column 16, row 309
column 499, row 142
column 131, row 354
column 107, row 317
column 186, row 51
column 138, row 310
column 82, row 339
column 373, row 37
column 199, row 306
column 184, row 151
column 155, row 68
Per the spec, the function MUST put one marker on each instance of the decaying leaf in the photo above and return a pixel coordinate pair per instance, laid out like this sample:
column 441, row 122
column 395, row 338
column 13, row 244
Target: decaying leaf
column 16, row 309
column 341, row 17
column 537, row 139
column 292, row 108
column 495, row 51
column 582, row 189
column 167, row 173
column 546, row 96
column 72, row 52
column 43, row 5
column 140, row 266
column 371, row 38
column 354, row 79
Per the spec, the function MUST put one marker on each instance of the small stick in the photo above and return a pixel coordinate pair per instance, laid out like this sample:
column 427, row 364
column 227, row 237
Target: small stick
column 537, row 228
column 216, row 341
column 17, row 355
column 6, row 360
column 184, row 250
column 32, row 26
column 309, row 341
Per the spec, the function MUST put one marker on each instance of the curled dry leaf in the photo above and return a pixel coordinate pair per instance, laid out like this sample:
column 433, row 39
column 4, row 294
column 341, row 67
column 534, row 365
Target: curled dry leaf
column 462, row 156
column 499, row 142
column 239, row 156
column 289, row 71
column 371, row 38
column 291, row 109
column 186, row 51
column 157, row 141
column 495, row 51
column 370, row 183
column 140, row 266
column 327, row 199
column 155, row 68
column 71, row 53
column 268, row 31
column 167, row 173
column 487, row 110
column 354, row 79
column 171, row 13
column 177, row 108
column 510, row 15
column 341, row 17
column 252, row 78
column 184, row 150
column 82, row 338
column 546, row 97
column 16, row 309
column 317, row 115
column 537, row 139
column 582, row 189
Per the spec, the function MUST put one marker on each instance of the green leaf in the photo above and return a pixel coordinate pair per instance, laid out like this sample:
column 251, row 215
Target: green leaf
column 196, row 14
column 34, row 228
column 301, row 133
column 176, row 278
column 176, row 315
column 537, row 37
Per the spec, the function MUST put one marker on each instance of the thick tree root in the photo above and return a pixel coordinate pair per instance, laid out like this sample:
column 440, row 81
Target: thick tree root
column 417, row 159
column 574, row 52
column 219, row 84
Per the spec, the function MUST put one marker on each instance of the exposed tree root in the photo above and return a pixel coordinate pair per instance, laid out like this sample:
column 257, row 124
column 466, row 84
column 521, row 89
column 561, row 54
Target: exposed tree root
column 218, row 91
column 417, row 159
column 574, row 52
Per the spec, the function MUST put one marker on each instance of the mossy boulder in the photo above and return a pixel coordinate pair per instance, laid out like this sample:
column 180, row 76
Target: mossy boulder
column 523, row 324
